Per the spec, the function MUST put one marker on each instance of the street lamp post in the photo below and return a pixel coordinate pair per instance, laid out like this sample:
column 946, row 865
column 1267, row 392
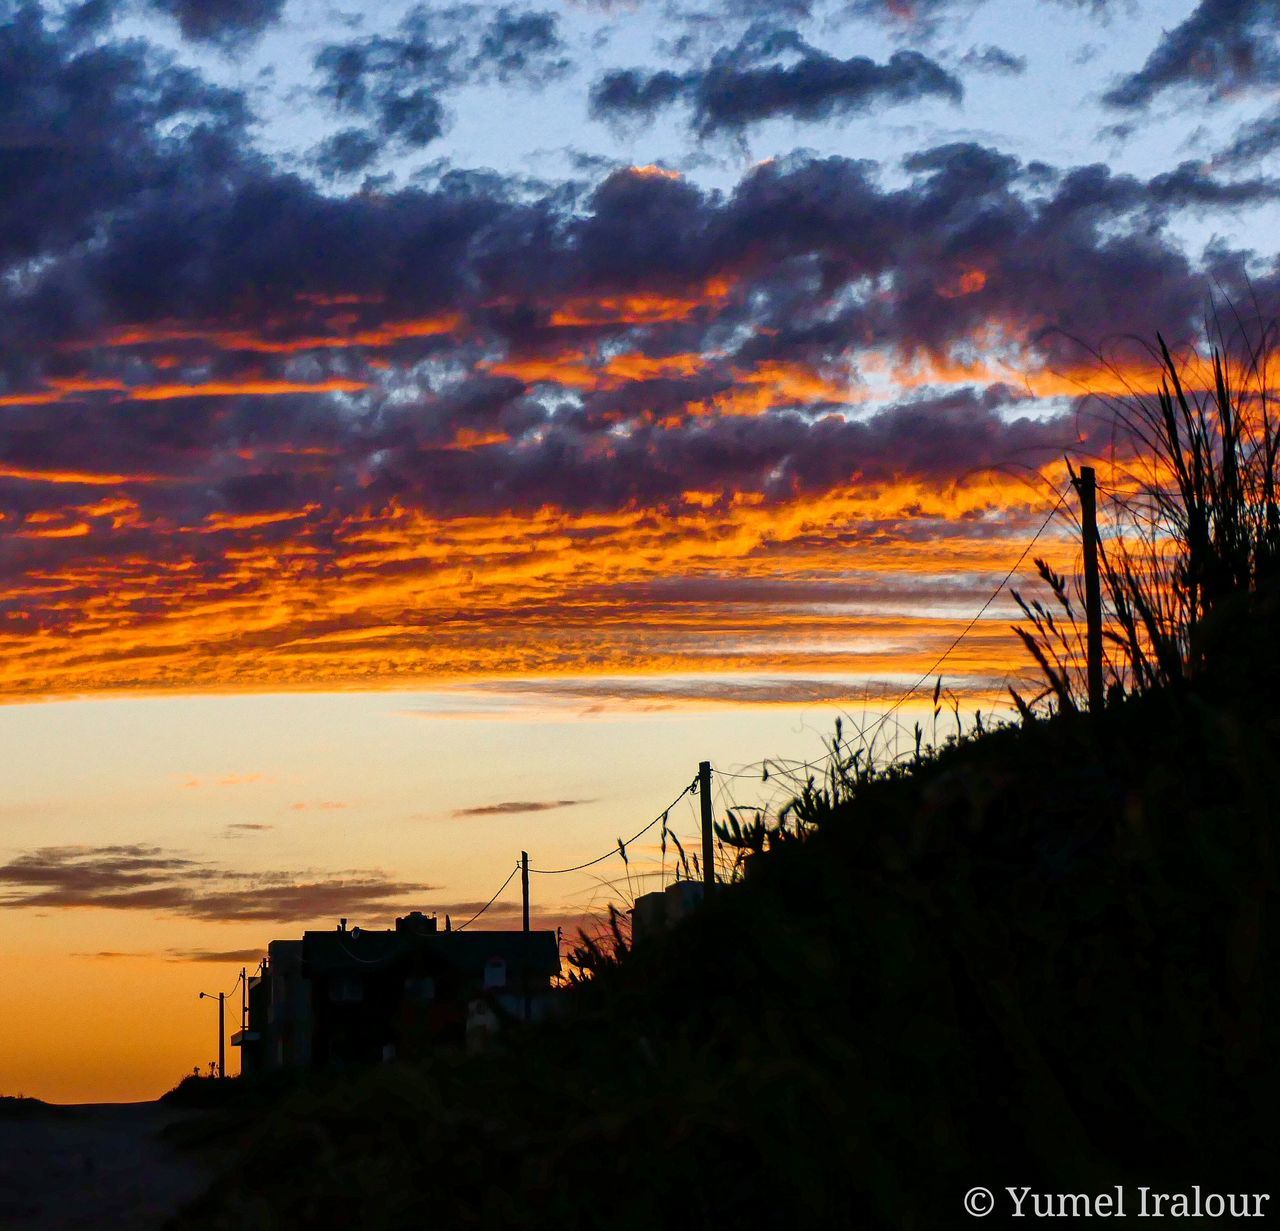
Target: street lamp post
column 221, row 998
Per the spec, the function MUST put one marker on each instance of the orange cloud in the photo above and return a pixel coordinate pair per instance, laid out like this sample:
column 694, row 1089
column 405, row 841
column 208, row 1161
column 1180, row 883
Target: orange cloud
column 62, row 389
column 251, row 521
column 470, row 438
column 84, row 477
column 653, row 171
column 570, row 369
column 256, row 388
column 75, row 531
column 577, row 369
column 386, row 334
column 628, row 367
column 968, row 283
column 544, row 592
column 642, row 308
column 69, row 390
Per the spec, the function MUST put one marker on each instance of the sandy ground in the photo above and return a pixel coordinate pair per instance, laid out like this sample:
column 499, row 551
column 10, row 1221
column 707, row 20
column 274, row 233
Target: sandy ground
column 94, row 1166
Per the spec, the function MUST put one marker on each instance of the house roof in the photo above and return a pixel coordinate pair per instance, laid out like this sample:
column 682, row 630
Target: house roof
column 535, row 953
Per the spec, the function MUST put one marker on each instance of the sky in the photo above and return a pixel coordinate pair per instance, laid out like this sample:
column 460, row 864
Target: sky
column 427, row 431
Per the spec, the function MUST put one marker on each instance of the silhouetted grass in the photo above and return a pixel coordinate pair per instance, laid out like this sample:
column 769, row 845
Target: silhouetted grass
column 1192, row 534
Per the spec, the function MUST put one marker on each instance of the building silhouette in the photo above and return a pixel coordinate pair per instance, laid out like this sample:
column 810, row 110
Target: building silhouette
column 349, row 997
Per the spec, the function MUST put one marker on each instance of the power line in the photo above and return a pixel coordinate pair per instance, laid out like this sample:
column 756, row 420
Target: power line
column 491, row 901
column 661, row 816
column 964, row 632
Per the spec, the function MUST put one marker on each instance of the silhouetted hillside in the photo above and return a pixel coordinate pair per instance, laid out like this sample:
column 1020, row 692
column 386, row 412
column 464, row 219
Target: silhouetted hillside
column 15, row 1107
column 1046, row 956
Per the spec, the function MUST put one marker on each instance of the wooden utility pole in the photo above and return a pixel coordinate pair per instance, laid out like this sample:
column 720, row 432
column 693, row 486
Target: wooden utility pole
column 1087, row 486
column 708, row 854
column 244, row 1013
column 222, row 1029
column 524, row 885
column 524, row 892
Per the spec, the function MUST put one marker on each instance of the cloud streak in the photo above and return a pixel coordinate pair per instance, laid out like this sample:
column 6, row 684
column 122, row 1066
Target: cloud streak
column 519, row 807
column 139, row 877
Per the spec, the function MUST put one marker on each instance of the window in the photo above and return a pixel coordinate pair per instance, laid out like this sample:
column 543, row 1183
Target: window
column 495, row 973
column 346, row 990
column 419, row 989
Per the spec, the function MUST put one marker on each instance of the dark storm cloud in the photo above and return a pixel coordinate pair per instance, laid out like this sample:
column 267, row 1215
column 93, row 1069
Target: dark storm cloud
column 414, row 118
column 782, row 455
column 141, row 877
column 739, row 88
column 1190, row 186
column 519, row 46
column 754, row 10
column 82, row 132
column 1084, row 257
column 467, row 244
column 89, row 18
column 1224, row 46
column 224, row 22
column 212, row 276
column 347, row 152
column 1255, row 140
column 815, row 87
column 395, row 81
column 992, row 59
column 634, row 93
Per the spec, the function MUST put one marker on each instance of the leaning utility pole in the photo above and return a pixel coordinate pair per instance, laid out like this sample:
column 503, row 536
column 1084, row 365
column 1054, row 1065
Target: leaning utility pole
column 708, row 855
column 1087, row 485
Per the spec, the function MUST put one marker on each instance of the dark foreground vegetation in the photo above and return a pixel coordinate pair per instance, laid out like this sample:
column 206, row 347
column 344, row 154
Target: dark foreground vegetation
column 16, row 1107
column 1043, row 955
column 1046, row 956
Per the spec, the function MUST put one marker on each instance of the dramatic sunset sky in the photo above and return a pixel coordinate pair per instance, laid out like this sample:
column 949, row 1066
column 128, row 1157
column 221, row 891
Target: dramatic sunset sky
column 426, row 431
